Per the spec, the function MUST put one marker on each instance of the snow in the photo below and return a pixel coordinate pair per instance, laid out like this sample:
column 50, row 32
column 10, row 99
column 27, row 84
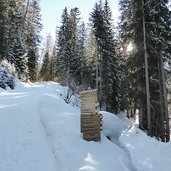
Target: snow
column 148, row 153
column 40, row 132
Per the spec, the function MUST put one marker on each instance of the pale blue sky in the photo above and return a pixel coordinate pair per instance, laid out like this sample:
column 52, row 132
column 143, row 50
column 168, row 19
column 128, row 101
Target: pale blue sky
column 51, row 11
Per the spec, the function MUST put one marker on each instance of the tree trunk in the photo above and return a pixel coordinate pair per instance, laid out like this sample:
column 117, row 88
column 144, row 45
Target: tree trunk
column 146, row 73
column 160, row 121
column 165, row 102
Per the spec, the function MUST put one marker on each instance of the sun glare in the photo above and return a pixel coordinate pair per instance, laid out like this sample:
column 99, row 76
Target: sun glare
column 129, row 47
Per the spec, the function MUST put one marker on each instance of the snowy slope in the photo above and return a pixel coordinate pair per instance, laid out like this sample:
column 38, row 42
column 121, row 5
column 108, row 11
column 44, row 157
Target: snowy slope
column 147, row 153
column 40, row 132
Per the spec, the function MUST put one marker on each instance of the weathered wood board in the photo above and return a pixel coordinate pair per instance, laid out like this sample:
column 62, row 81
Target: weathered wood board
column 88, row 100
column 89, row 120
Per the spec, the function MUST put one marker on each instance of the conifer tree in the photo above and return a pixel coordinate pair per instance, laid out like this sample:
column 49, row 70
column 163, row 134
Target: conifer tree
column 80, row 53
column 91, row 56
column 3, row 25
column 45, row 68
column 21, row 59
column 107, row 58
column 157, row 41
column 20, row 29
column 63, row 54
column 6, row 75
column 75, row 59
column 68, row 55
column 33, row 38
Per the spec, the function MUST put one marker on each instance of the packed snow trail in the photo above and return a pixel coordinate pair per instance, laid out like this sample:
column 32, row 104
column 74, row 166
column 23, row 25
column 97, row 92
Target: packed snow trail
column 40, row 132
column 23, row 143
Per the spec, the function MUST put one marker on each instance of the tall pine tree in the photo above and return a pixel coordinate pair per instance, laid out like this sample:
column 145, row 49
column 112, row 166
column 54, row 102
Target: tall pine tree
column 33, row 38
column 155, row 33
column 108, row 87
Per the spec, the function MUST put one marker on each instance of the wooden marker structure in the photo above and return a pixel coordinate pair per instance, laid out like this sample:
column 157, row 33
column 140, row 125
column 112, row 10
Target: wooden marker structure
column 90, row 121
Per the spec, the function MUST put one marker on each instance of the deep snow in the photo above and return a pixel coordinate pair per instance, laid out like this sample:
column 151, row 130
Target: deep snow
column 40, row 132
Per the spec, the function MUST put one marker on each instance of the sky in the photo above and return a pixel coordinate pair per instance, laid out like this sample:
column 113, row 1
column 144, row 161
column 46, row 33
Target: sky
column 51, row 11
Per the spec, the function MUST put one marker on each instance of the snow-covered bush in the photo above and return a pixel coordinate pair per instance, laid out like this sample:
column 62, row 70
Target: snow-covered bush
column 71, row 95
column 10, row 67
column 68, row 94
column 6, row 75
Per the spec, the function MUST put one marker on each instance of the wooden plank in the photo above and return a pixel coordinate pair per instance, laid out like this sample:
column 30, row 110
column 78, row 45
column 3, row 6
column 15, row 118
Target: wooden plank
column 94, row 118
column 89, row 120
column 90, row 124
column 93, row 137
column 90, row 127
column 91, row 96
column 88, row 91
column 87, row 98
column 87, row 105
column 90, row 137
column 86, row 110
column 90, row 115
column 87, row 113
column 92, row 130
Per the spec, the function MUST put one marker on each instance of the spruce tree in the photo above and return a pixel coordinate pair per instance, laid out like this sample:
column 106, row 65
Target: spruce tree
column 63, row 54
column 101, row 19
column 3, row 27
column 20, row 28
column 91, row 55
column 75, row 59
column 157, row 41
column 45, row 68
column 130, row 73
column 69, row 59
column 80, row 53
column 33, row 38
column 6, row 75
column 21, row 59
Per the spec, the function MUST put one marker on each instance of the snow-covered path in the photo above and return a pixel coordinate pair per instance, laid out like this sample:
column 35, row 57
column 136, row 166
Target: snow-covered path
column 40, row 132
column 23, row 142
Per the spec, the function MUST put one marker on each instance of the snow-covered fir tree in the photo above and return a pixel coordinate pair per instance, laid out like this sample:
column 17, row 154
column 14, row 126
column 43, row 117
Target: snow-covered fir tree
column 70, row 45
column 45, row 68
column 20, row 29
column 108, row 85
column 91, row 54
column 156, row 35
column 33, row 38
column 63, row 46
column 81, row 73
column 7, row 75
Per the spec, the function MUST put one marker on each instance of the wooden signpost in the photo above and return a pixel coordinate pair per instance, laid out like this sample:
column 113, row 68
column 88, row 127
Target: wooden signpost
column 90, row 121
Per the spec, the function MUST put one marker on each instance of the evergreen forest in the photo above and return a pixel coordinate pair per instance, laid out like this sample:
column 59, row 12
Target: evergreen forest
column 129, row 64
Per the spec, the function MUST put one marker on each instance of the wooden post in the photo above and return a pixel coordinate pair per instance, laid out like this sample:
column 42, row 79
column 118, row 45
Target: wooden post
column 90, row 121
